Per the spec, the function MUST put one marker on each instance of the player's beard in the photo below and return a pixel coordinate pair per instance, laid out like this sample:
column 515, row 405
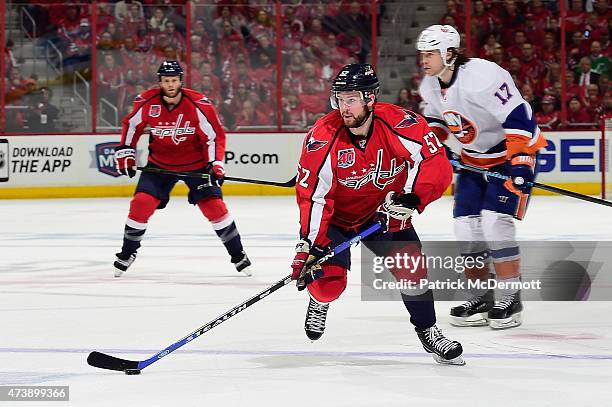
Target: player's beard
column 174, row 94
column 356, row 121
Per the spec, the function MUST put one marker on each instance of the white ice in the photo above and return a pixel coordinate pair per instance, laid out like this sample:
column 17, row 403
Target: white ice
column 59, row 301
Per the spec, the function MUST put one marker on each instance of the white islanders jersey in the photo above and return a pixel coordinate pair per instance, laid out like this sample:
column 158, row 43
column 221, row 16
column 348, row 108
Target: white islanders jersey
column 474, row 107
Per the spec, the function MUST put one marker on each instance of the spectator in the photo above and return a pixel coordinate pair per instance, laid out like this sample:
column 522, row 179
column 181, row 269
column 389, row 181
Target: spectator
column 516, row 49
column 105, row 43
column 404, row 100
column 315, row 29
column 315, row 102
column 9, row 56
column 530, row 97
column 603, row 13
column 540, row 13
column 490, row 45
column 585, row 75
column 552, row 75
column 607, row 105
column 600, row 63
column 132, row 20
column 483, row 19
column 105, row 16
column 293, row 112
column 158, row 21
column 18, row 87
column 42, row 116
column 265, row 75
column 511, row 21
column 145, row 40
column 533, row 31
column 110, row 79
column 207, row 87
column 548, row 117
column 576, row 115
column 77, row 55
column 576, row 16
column 592, row 102
column 499, row 57
column 532, row 66
column 577, row 49
column 295, row 69
column 237, row 97
column 127, row 10
column 248, row 115
column 261, row 26
column 264, row 46
column 177, row 41
column 549, row 51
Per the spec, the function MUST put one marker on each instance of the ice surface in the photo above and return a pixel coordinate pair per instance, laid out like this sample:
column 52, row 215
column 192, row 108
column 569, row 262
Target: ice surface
column 59, row 301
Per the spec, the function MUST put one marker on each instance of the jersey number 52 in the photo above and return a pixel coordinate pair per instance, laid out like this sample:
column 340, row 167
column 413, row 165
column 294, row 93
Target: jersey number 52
column 432, row 142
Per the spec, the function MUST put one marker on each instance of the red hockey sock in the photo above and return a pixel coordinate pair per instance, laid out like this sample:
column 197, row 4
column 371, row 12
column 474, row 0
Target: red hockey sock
column 142, row 207
column 330, row 286
column 214, row 209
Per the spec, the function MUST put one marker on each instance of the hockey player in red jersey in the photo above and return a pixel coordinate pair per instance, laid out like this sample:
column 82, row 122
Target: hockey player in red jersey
column 363, row 161
column 185, row 135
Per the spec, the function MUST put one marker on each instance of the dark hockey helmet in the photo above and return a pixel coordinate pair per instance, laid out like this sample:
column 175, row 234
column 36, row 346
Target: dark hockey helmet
column 355, row 77
column 170, row 68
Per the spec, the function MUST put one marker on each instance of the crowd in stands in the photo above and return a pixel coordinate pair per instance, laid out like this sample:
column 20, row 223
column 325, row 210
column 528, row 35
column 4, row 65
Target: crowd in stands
column 523, row 36
column 232, row 51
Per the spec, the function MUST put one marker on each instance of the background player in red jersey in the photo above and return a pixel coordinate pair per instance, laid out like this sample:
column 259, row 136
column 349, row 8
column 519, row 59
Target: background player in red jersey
column 185, row 135
column 356, row 157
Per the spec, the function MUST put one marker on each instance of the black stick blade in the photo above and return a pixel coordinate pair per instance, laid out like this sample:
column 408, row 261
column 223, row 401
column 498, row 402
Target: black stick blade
column 104, row 361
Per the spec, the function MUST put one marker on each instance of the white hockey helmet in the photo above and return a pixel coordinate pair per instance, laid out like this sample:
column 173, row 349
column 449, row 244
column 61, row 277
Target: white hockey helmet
column 439, row 37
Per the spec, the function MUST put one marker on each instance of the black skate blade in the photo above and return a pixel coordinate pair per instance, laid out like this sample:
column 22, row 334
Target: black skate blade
column 104, row 361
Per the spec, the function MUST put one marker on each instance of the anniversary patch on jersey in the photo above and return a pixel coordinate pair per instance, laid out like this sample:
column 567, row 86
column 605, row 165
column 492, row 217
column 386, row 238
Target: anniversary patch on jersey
column 154, row 110
column 346, row 158
column 408, row 120
column 463, row 128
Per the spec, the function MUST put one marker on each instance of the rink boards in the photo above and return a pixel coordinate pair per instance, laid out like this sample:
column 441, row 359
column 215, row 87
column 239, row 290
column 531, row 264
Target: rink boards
column 54, row 166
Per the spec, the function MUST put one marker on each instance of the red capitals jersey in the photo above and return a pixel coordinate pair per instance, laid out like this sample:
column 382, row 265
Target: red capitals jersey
column 342, row 180
column 185, row 138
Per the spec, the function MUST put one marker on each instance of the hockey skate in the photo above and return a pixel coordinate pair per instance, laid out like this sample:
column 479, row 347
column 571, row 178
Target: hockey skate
column 123, row 262
column 315, row 319
column 242, row 263
column 443, row 350
column 506, row 313
column 473, row 312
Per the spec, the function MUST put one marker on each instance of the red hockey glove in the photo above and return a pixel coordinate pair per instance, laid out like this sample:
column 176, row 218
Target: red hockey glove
column 218, row 172
column 302, row 271
column 125, row 158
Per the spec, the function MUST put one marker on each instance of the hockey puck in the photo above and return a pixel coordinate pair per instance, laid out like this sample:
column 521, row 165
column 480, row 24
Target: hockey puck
column 132, row 371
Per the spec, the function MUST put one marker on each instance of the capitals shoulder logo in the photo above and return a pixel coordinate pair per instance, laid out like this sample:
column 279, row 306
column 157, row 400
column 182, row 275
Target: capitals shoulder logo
column 105, row 158
column 463, row 128
column 408, row 120
column 313, row 144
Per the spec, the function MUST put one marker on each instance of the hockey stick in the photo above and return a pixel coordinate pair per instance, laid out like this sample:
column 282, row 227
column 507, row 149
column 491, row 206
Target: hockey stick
column 288, row 184
column 545, row 187
column 104, row 361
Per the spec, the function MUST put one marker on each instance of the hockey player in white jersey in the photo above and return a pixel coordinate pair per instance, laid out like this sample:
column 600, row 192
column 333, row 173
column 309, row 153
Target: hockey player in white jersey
column 477, row 101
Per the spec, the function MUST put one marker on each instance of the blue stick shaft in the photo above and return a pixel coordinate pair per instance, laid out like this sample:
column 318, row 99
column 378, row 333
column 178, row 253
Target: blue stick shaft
column 281, row 283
